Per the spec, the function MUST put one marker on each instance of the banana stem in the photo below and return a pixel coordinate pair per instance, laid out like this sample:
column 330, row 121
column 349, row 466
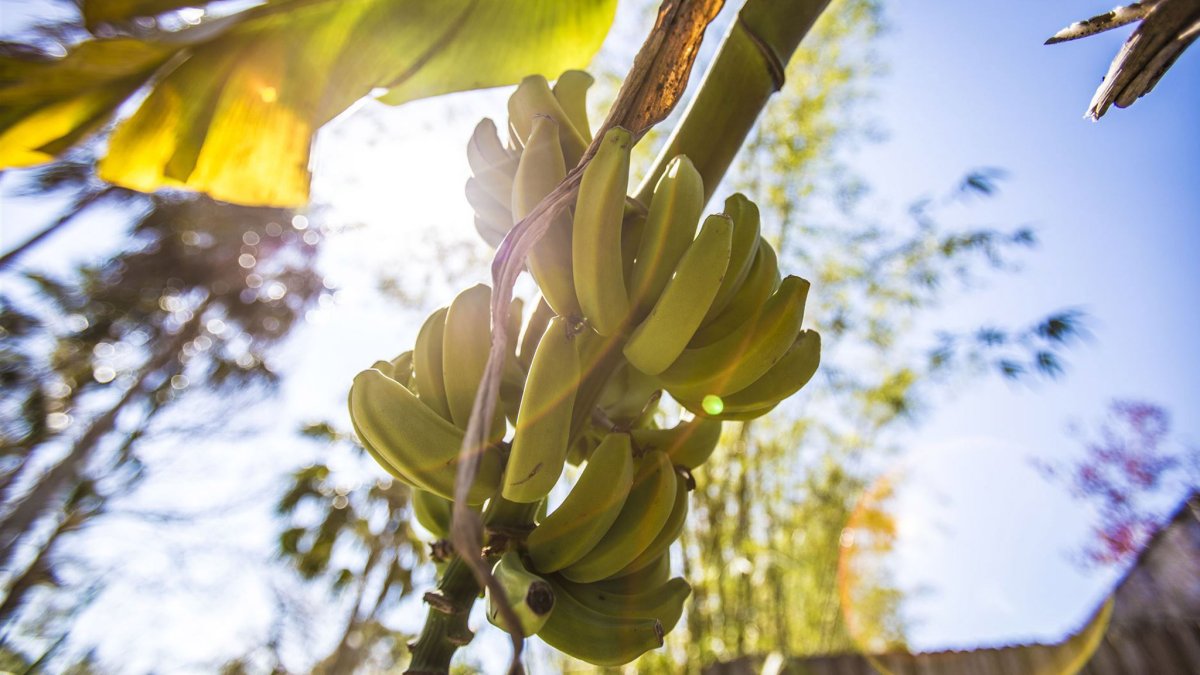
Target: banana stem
column 746, row 71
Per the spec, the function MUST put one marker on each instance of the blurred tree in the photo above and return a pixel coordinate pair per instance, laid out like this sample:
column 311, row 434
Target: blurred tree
column 190, row 304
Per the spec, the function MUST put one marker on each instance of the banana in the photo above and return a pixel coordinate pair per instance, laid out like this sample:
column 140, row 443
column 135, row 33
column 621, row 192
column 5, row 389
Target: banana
column 485, row 150
column 539, row 446
column 641, row 519
column 465, row 344
column 571, row 92
column 651, row 576
column 627, row 394
column 487, row 207
column 432, row 512
column 596, row 235
column 744, row 214
column 599, row 639
column 533, row 97
column 421, row 446
column 688, row 444
column 631, row 236
column 666, row 536
column 402, row 368
column 533, row 332
column 384, row 367
column 427, row 363
column 594, row 502
column 540, row 171
column 661, row 338
column 743, row 356
column 492, row 232
column 671, row 223
column 785, row 378
column 663, row 602
column 760, row 283
column 531, row 597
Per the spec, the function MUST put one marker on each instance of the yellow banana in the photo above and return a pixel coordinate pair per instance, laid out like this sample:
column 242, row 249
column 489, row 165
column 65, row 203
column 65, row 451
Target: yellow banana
column 744, row 355
column 641, row 519
column 539, row 446
column 531, row 597
column 533, row 97
column 594, row 502
column 465, row 345
column 688, row 444
column 393, row 423
column 571, row 92
column 663, row 602
column 596, row 235
column 599, row 639
column 662, row 336
column 432, row 512
column 785, row 378
column 671, row 224
column 533, row 332
column 667, row 535
column 746, row 239
column 427, row 363
column 760, row 283
column 540, row 171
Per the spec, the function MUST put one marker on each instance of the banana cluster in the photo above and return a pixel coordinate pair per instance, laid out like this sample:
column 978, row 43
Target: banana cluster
column 696, row 308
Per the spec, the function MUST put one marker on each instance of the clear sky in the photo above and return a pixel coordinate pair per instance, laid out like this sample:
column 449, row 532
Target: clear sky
column 1116, row 205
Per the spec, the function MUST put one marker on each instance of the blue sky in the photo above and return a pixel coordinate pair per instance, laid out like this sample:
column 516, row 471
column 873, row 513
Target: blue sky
column 1116, row 205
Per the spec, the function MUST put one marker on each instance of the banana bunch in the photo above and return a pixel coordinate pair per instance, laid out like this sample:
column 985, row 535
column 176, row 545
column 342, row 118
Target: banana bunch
column 688, row 304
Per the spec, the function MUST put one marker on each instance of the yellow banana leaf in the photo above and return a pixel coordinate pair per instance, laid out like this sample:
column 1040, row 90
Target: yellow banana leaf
column 233, row 104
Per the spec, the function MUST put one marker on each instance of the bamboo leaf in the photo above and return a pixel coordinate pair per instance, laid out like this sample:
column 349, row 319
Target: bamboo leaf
column 234, row 102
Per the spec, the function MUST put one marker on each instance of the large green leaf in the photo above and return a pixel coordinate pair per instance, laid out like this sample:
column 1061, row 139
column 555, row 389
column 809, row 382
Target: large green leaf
column 234, row 103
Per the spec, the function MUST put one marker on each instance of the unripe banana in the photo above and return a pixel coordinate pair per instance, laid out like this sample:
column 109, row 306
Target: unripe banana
column 402, row 368
column 589, row 510
column 427, row 363
column 487, row 207
column 539, row 446
column 533, row 97
column 663, row 602
column 571, row 92
column 596, row 236
column 465, row 345
column 662, row 336
column 533, row 332
column 641, row 519
column 744, row 214
column 414, row 439
column 670, row 227
column 762, row 280
column 432, row 512
column 531, row 597
column 540, row 171
column 492, row 232
column 785, row 378
column 485, row 150
column 384, row 367
column 597, row 638
column 667, row 536
column 743, row 356
column 651, row 576
column 688, row 444
column 627, row 394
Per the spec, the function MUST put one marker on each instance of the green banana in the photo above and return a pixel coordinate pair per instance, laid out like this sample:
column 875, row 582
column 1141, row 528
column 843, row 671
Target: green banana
column 384, row 367
column 492, row 232
column 427, row 363
column 627, row 394
column 571, row 92
column 539, row 446
column 594, row 502
column 432, row 512
column 485, row 205
column 540, row 171
column 688, row 444
column 596, row 236
column 785, row 378
column 394, row 424
column 663, row 602
column 651, row 576
column 746, row 240
column 533, row 97
column 667, row 535
column 662, row 336
column 402, row 368
column 533, row 332
column 485, row 151
column 531, row 597
column 465, row 344
column 641, row 519
column 744, row 355
column 599, row 639
column 670, row 227
column 760, row 283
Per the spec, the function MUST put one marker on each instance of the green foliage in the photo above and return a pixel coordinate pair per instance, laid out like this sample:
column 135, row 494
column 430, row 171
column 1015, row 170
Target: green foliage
column 235, row 100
